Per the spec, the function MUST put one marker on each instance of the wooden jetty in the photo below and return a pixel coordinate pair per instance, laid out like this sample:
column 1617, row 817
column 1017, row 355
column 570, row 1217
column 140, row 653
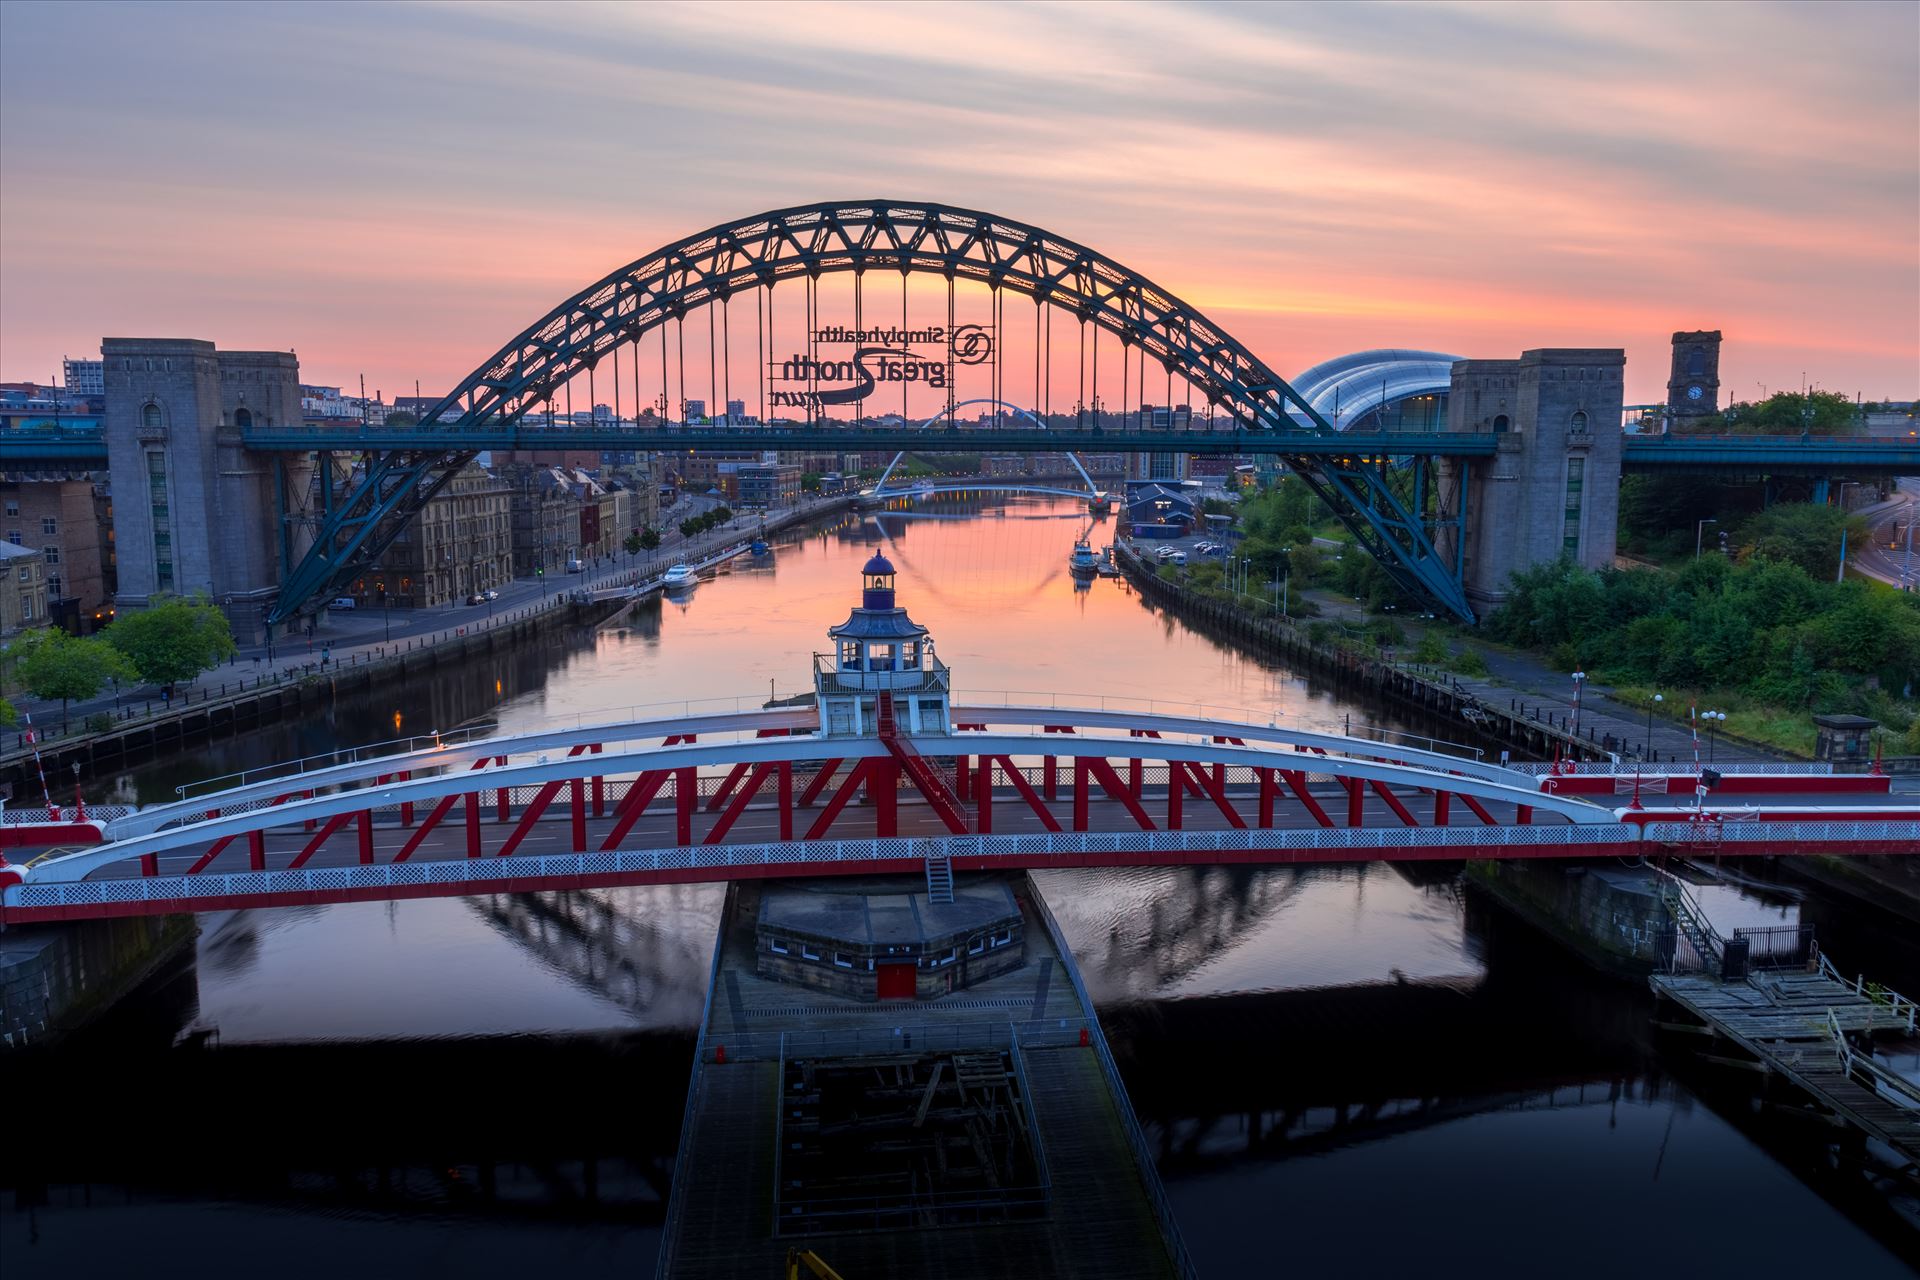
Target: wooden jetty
column 1802, row 1025
column 1093, row 1206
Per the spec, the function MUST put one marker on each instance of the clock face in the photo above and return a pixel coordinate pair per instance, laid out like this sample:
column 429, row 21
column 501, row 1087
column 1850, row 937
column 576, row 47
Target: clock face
column 1694, row 393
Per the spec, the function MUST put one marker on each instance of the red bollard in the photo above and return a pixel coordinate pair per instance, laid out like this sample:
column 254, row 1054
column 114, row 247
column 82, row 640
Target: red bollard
column 1083, row 1037
column 720, row 1053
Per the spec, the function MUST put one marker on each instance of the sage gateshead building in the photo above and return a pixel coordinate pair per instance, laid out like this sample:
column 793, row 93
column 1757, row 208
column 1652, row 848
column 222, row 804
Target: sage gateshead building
column 1382, row 390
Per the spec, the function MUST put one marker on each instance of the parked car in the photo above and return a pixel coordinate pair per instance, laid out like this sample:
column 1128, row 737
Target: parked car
column 1178, row 557
column 342, row 603
column 476, row 598
column 574, row 566
column 1164, row 554
column 491, row 594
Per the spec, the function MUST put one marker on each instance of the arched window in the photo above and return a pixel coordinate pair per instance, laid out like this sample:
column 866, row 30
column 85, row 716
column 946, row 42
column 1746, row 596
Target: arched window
column 241, row 418
column 1579, row 422
column 1696, row 363
column 1500, row 423
column 150, row 417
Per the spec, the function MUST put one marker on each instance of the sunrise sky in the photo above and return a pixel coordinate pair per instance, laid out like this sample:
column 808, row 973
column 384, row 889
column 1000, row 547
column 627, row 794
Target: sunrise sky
column 398, row 189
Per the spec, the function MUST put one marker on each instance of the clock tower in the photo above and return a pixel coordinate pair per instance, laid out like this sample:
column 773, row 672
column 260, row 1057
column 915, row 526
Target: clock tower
column 1693, row 388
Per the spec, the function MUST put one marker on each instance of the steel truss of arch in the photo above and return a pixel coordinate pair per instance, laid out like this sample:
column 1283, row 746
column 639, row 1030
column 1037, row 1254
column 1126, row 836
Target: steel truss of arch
column 391, row 487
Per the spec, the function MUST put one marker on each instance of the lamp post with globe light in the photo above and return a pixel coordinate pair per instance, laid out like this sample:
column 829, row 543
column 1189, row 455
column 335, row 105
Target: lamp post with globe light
column 1714, row 720
column 1654, row 701
column 1579, row 683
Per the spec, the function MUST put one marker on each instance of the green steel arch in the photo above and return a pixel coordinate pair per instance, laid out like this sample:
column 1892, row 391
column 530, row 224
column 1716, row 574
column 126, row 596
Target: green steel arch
column 389, row 487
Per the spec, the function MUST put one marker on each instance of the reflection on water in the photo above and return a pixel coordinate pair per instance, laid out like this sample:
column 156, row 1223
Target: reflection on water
column 1317, row 1050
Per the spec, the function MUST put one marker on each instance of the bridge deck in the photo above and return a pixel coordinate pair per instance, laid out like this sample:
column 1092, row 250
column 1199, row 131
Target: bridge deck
column 1099, row 1221
column 1781, row 1019
column 760, row 823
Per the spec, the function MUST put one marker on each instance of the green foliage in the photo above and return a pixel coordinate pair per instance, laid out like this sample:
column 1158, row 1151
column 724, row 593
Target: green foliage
column 1468, row 662
column 100, row 722
column 1431, row 649
column 172, row 640
column 1807, row 534
column 1823, row 413
column 1763, row 628
column 631, row 544
column 649, row 538
column 9, row 714
column 810, row 482
column 401, row 418
column 58, row 665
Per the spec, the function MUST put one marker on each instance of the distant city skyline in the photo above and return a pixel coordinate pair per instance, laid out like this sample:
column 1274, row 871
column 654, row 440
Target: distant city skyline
column 397, row 190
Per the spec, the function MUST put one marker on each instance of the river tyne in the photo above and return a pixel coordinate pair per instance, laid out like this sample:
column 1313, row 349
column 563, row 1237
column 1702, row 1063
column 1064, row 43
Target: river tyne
column 1348, row 1071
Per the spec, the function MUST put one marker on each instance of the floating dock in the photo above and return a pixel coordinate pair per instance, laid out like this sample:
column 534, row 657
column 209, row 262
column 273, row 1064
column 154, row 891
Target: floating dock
column 981, row 1132
column 1803, row 1026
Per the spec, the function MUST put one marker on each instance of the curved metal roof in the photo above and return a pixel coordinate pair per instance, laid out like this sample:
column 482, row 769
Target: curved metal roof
column 1358, row 383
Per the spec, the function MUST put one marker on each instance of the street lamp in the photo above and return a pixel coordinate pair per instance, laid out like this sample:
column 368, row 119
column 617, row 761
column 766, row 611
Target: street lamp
column 1647, row 751
column 1714, row 720
column 1699, row 529
column 1579, row 683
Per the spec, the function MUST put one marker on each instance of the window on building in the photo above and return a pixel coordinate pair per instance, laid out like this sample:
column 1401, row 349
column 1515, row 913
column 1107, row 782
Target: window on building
column 242, row 418
column 1570, row 529
column 162, row 524
column 778, row 947
column 16, row 537
column 26, row 574
column 841, row 960
column 49, row 526
column 13, row 508
column 808, row 953
column 1579, row 422
column 26, row 608
column 1001, row 937
column 977, row 945
column 52, row 554
column 880, row 657
column 1500, row 423
column 150, row 416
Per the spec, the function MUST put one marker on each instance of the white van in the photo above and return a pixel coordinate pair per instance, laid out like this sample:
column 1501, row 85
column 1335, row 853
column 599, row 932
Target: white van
column 574, row 566
column 1178, row 557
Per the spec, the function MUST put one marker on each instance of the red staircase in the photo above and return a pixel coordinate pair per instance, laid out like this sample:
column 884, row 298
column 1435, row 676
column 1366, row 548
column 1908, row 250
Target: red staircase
column 928, row 779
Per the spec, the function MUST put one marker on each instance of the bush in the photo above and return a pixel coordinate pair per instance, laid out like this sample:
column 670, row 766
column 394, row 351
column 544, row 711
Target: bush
column 1468, row 662
column 100, row 722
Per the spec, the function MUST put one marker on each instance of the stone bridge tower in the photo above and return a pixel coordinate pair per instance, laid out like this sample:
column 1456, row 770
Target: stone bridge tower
column 193, row 511
column 1552, row 487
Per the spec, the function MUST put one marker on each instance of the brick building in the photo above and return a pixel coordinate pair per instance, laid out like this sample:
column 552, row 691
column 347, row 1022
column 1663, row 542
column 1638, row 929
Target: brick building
column 69, row 520
column 461, row 543
column 23, row 595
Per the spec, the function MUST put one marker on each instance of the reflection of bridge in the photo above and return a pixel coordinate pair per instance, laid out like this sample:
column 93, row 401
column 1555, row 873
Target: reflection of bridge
column 754, row 794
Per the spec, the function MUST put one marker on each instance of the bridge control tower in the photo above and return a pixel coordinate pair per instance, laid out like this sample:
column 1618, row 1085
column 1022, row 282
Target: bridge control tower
column 882, row 673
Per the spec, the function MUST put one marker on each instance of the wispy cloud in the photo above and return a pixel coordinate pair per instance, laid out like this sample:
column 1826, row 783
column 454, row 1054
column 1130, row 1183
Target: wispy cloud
column 401, row 187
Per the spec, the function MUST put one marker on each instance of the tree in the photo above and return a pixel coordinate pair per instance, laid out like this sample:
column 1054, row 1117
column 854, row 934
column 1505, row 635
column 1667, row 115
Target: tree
column 1804, row 533
column 632, row 544
column 61, row 666
column 810, row 482
column 173, row 640
column 649, row 538
column 401, row 418
column 1823, row 413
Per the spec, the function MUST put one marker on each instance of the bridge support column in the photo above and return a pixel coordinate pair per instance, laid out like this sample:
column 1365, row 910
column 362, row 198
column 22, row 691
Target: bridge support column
column 311, row 822
column 1523, row 814
column 1049, row 782
column 1176, row 786
column 256, row 851
column 983, row 788
column 883, row 788
column 599, row 788
column 1441, row 800
column 365, row 821
column 578, row 794
column 785, row 777
column 473, row 824
column 1079, row 794
column 500, row 797
column 1268, row 790
column 1356, row 803
column 961, row 779
column 686, row 788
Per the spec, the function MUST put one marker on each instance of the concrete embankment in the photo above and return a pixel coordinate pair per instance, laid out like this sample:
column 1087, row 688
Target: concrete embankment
column 55, row 978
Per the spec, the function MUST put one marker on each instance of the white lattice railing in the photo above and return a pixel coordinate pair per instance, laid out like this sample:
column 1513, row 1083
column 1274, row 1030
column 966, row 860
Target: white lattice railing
column 1540, row 768
column 794, row 853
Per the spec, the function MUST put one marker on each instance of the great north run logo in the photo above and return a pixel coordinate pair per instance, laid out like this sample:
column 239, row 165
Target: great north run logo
column 892, row 355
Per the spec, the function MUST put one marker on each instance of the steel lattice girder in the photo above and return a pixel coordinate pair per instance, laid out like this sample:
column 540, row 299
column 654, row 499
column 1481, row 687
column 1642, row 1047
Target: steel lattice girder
column 903, row 236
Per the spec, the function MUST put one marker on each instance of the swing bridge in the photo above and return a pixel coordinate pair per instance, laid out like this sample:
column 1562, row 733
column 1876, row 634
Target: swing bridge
column 748, row 794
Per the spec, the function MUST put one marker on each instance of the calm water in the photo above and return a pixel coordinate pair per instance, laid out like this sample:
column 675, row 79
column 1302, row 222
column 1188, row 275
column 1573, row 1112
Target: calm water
column 1349, row 1070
